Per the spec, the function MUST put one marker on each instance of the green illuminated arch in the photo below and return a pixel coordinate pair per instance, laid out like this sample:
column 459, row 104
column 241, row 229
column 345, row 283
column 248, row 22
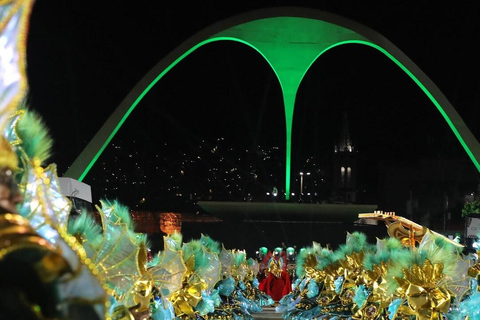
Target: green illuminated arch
column 290, row 40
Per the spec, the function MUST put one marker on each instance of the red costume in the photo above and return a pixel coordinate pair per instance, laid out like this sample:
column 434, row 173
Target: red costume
column 277, row 281
column 263, row 264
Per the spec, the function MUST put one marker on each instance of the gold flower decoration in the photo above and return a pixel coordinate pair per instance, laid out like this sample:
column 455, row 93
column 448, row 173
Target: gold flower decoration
column 426, row 298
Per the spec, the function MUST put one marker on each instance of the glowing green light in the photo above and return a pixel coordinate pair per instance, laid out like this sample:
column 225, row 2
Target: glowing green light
column 290, row 40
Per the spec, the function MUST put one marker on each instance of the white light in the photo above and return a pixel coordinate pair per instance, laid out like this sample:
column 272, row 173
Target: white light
column 293, row 193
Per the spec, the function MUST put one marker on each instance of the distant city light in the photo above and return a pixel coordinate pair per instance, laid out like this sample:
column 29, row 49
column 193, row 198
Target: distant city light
column 232, row 173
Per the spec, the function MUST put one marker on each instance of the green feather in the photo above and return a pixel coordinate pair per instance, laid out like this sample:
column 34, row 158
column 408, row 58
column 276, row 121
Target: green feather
column 177, row 237
column 239, row 257
column 86, row 226
column 120, row 214
column 197, row 250
column 142, row 238
column 444, row 242
column 301, row 256
column 403, row 260
column 327, row 258
column 36, row 140
column 393, row 244
column 317, row 247
column 436, row 251
column 210, row 244
column 382, row 254
column 323, row 256
column 356, row 242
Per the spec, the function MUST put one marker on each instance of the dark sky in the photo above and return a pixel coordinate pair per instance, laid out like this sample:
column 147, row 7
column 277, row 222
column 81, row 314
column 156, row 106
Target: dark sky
column 84, row 57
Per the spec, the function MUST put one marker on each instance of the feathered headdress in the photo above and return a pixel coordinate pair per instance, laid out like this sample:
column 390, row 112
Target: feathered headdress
column 355, row 242
column 85, row 228
column 30, row 135
column 210, row 244
column 384, row 251
column 433, row 273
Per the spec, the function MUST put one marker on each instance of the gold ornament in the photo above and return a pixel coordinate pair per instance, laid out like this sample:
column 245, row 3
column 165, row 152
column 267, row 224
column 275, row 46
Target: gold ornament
column 142, row 294
column 8, row 157
column 426, row 299
column 275, row 268
column 187, row 298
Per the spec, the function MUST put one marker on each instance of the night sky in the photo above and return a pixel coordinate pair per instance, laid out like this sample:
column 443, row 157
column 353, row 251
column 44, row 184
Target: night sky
column 84, row 58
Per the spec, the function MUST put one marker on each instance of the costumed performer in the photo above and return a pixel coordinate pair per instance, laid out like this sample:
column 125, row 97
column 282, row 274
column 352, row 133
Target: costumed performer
column 277, row 282
column 39, row 262
column 263, row 256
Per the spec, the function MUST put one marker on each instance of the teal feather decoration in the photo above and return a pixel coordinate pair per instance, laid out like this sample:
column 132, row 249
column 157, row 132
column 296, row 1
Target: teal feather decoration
column 356, row 242
column 196, row 249
column 239, row 257
column 317, row 247
column 327, row 258
column 210, row 244
column 117, row 213
column 206, row 265
column 392, row 244
column 384, row 251
column 175, row 241
column 142, row 238
column 403, row 260
column 444, row 242
column 36, row 141
column 303, row 255
column 85, row 225
column 434, row 249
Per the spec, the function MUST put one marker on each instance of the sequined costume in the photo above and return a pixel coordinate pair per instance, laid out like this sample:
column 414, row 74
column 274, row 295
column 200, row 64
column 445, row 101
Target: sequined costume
column 277, row 282
column 44, row 272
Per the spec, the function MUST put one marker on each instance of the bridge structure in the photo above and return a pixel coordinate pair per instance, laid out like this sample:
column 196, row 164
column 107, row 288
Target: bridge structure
column 290, row 39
